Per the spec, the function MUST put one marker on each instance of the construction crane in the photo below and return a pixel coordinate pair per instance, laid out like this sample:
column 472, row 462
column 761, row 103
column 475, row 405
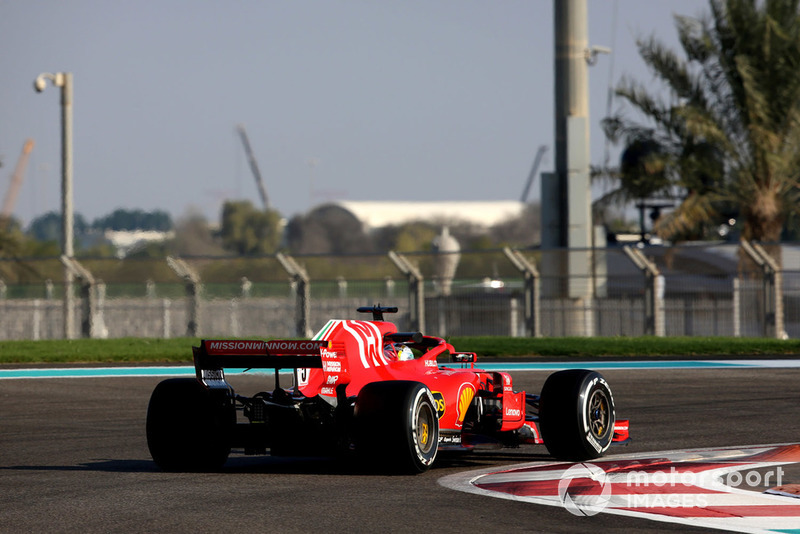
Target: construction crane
column 251, row 159
column 16, row 182
column 536, row 162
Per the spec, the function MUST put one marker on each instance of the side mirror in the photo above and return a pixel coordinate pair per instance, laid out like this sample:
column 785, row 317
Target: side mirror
column 463, row 357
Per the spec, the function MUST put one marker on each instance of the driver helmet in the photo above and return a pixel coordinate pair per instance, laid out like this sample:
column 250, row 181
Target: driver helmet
column 404, row 353
column 398, row 351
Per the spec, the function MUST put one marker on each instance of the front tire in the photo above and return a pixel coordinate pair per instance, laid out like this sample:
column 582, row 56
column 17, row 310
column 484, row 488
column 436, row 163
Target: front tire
column 576, row 415
column 397, row 427
column 188, row 428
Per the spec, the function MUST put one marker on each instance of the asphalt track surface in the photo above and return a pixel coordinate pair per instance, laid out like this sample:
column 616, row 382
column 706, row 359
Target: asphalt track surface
column 73, row 458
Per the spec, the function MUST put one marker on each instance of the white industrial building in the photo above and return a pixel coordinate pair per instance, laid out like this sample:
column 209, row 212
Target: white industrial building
column 374, row 214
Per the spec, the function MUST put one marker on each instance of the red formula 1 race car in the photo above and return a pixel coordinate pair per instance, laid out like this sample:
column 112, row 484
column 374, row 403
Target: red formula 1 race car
column 363, row 387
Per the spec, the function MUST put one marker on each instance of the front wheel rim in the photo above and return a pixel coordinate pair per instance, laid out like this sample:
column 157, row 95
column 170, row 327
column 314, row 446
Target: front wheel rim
column 424, row 428
column 599, row 413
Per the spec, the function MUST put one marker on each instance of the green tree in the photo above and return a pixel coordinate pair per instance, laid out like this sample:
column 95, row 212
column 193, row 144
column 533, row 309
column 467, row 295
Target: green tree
column 727, row 135
column 11, row 241
column 193, row 237
column 522, row 231
column 47, row 227
column 247, row 230
column 328, row 229
column 414, row 236
column 122, row 219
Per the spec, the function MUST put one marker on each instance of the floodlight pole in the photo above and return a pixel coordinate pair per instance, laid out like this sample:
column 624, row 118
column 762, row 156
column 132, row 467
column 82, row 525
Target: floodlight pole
column 64, row 81
column 566, row 211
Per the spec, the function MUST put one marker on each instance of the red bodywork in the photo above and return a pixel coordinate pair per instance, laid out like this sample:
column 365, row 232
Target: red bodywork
column 393, row 399
column 346, row 355
column 355, row 357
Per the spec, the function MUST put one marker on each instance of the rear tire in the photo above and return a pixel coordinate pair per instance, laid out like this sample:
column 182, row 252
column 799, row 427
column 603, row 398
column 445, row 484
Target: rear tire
column 188, row 428
column 396, row 426
column 576, row 415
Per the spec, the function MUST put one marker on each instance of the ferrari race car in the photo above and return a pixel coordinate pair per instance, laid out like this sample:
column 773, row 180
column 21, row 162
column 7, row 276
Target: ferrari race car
column 393, row 399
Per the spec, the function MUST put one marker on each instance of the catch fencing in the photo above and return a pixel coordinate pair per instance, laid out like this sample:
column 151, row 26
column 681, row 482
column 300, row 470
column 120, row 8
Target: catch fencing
column 701, row 290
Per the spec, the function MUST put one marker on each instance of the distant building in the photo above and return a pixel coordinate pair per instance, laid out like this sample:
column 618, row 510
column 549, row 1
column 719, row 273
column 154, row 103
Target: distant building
column 127, row 240
column 374, row 214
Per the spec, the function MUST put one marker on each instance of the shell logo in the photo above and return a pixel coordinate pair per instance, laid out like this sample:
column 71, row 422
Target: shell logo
column 465, row 394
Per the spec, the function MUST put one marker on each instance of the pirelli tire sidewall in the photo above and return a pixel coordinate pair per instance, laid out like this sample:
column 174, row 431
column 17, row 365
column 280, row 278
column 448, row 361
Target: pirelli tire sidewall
column 422, row 427
column 396, row 426
column 576, row 415
column 188, row 428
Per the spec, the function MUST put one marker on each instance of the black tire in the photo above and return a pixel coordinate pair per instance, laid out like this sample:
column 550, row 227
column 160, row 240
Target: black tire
column 188, row 428
column 576, row 415
column 396, row 426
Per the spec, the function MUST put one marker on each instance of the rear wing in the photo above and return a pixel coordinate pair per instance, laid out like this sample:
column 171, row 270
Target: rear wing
column 215, row 355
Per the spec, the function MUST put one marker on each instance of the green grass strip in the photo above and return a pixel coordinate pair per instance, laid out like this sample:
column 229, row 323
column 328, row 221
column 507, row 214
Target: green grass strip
column 626, row 346
column 130, row 350
column 178, row 350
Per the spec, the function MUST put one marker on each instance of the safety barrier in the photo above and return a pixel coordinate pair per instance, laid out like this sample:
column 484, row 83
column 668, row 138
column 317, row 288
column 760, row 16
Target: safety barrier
column 709, row 290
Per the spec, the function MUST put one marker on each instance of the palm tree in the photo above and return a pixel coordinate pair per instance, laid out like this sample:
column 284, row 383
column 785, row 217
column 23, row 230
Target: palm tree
column 727, row 136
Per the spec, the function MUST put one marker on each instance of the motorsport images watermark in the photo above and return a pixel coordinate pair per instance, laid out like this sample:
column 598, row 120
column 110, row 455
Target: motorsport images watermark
column 586, row 489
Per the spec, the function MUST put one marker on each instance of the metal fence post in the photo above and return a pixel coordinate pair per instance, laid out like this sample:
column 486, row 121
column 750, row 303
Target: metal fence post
column 416, row 290
column 530, row 273
column 166, row 318
column 150, row 289
column 653, row 293
column 441, row 315
column 234, row 324
column 341, row 284
column 99, row 328
column 193, row 290
column 90, row 317
column 247, row 287
column 737, row 304
column 659, row 317
column 303, row 302
column 36, row 326
column 389, row 283
column 774, row 325
column 513, row 318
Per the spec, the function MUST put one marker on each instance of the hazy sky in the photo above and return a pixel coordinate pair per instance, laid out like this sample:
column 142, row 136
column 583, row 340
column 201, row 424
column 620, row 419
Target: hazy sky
column 342, row 99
